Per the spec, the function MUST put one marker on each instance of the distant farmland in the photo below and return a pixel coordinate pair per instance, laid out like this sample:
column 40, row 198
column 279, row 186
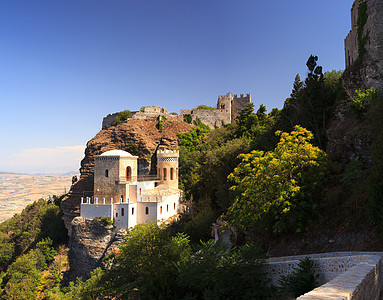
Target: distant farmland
column 17, row 191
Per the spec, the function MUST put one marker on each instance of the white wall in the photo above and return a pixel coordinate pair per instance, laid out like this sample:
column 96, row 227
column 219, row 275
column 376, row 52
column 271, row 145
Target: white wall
column 142, row 217
column 132, row 218
column 168, row 202
column 91, row 211
column 121, row 221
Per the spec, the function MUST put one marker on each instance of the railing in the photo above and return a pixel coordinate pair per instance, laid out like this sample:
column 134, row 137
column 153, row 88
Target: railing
column 123, row 179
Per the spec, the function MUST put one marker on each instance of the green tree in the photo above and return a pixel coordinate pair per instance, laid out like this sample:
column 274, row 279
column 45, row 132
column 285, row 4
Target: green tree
column 312, row 101
column 275, row 189
column 215, row 272
column 146, row 262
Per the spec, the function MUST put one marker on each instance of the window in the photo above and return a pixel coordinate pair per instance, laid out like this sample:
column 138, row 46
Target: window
column 122, row 212
column 140, row 191
column 122, row 198
column 128, row 173
column 167, row 208
column 116, row 215
column 176, row 173
column 147, row 210
column 132, row 211
column 171, row 173
column 165, row 174
column 106, row 173
column 174, row 206
column 160, row 209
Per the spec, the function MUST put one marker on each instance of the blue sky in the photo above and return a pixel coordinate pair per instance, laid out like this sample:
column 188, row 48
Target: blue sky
column 64, row 65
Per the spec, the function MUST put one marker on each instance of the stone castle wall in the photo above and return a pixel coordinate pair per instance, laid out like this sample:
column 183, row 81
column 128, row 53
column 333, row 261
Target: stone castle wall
column 238, row 104
column 227, row 110
column 369, row 71
column 149, row 112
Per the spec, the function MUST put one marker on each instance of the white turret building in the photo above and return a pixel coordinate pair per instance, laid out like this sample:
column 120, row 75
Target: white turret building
column 129, row 199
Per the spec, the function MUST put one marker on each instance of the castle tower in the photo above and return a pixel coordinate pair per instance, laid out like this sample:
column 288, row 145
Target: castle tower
column 167, row 167
column 110, row 169
column 224, row 105
column 239, row 103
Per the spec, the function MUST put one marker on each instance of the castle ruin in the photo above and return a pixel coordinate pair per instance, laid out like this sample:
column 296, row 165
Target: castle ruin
column 228, row 108
column 364, row 70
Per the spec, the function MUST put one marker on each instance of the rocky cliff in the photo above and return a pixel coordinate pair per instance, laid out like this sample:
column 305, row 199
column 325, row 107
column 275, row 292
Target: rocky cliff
column 90, row 242
column 348, row 136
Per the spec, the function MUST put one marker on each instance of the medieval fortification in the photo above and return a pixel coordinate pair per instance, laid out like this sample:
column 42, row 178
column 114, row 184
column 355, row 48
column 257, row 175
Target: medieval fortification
column 364, row 47
column 228, row 108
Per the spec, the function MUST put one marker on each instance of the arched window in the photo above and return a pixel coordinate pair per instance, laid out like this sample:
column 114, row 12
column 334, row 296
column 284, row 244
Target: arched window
column 116, row 215
column 171, row 173
column 165, row 174
column 167, row 208
column 147, row 210
column 128, row 173
column 122, row 212
column 160, row 209
column 132, row 211
column 174, row 206
column 140, row 191
column 106, row 173
column 122, row 198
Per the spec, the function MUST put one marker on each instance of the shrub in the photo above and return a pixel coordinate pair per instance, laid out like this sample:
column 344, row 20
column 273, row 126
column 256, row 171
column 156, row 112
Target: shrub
column 202, row 106
column 188, row 118
column 363, row 100
column 122, row 116
column 107, row 221
column 301, row 281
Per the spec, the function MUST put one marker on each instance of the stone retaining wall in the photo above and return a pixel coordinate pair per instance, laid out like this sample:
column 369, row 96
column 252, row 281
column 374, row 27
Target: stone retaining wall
column 342, row 275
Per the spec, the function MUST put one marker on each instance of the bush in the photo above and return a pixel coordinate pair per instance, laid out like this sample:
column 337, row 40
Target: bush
column 188, row 118
column 122, row 116
column 107, row 221
column 363, row 100
column 202, row 106
column 301, row 281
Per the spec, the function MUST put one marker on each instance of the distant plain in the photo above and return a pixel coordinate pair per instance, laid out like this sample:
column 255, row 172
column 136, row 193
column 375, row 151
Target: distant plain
column 17, row 191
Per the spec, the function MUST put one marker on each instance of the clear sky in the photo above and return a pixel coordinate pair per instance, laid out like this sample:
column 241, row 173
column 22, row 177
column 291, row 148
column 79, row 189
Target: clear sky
column 64, row 65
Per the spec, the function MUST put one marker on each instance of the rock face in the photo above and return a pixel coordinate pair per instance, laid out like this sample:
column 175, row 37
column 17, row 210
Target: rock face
column 138, row 137
column 348, row 136
column 90, row 242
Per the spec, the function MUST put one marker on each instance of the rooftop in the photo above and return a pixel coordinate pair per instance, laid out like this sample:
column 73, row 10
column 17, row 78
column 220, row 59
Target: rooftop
column 116, row 153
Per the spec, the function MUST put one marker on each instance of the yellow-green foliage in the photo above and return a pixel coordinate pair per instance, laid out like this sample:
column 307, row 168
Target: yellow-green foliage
column 275, row 188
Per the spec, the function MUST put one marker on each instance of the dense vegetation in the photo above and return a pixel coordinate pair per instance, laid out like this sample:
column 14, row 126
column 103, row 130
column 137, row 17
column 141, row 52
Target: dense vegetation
column 29, row 243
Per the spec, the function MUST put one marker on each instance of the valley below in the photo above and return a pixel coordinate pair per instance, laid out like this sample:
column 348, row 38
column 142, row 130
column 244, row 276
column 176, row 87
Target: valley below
column 17, row 191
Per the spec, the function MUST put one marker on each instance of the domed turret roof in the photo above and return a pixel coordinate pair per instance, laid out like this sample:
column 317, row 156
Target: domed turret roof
column 116, row 153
